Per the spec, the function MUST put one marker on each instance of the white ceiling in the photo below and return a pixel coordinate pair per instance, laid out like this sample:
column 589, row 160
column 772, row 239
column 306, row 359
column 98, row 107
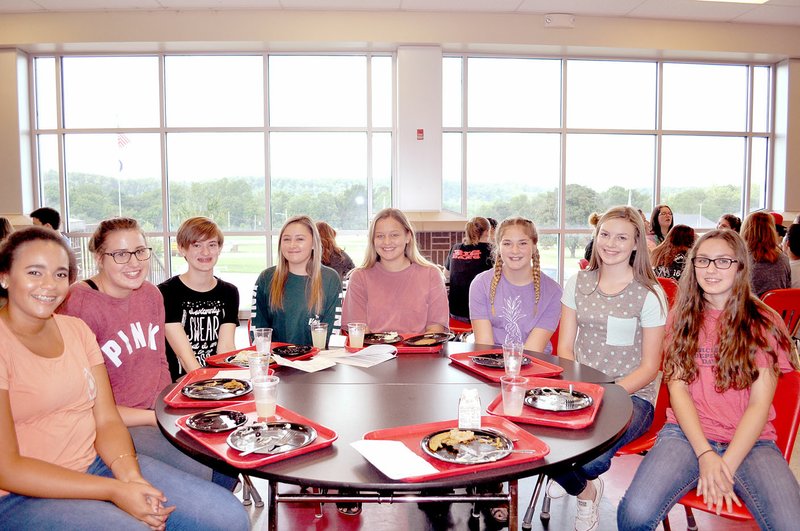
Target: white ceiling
column 783, row 12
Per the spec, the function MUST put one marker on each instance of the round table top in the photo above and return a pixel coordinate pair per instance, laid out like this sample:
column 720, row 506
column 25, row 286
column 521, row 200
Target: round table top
column 411, row 389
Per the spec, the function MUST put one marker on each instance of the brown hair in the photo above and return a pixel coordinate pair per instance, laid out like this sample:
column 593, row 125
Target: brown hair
column 15, row 240
column 5, row 228
column 198, row 229
column 655, row 226
column 98, row 239
column 314, row 292
column 536, row 271
column 475, row 229
column 679, row 240
column 733, row 220
column 758, row 232
column 327, row 236
column 744, row 327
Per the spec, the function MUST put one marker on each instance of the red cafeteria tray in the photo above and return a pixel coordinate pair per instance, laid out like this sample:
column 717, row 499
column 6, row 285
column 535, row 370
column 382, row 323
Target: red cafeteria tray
column 177, row 399
column 573, row 420
column 218, row 442
column 412, row 435
column 218, row 360
column 403, row 349
column 537, row 367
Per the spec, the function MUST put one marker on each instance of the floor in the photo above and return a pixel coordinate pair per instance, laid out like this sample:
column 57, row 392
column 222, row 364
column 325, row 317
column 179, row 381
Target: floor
column 376, row 517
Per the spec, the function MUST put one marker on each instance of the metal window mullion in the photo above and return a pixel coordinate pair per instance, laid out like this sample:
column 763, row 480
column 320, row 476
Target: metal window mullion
column 562, row 197
column 267, row 129
column 463, row 130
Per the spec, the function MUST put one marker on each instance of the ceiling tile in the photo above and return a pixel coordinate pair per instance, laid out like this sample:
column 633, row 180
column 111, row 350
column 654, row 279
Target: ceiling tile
column 603, row 8
column 690, row 10
column 97, row 5
column 769, row 14
column 491, row 6
column 18, row 6
column 343, row 5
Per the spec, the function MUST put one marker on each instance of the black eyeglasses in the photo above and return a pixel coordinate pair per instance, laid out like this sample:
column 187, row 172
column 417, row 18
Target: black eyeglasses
column 123, row 257
column 719, row 263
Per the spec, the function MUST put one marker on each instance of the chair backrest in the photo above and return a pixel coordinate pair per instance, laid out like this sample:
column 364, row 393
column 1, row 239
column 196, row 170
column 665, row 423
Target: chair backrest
column 554, row 341
column 787, row 409
column 670, row 288
column 583, row 263
column 787, row 303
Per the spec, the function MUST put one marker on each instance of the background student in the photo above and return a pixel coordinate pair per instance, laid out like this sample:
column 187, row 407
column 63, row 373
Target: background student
column 464, row 262
column 201, row 310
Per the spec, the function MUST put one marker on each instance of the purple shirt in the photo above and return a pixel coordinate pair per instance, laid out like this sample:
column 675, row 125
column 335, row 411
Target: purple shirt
column 130, row 333
column 406, row 301
column 514, row 313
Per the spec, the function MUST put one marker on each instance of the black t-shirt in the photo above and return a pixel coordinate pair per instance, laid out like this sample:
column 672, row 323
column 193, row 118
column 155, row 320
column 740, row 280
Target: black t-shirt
column 201, row 314
column 464, row 263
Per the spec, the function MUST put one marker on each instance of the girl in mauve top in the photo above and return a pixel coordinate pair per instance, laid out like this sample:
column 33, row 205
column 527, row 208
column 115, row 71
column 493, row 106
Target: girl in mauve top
column 395, row 289
column 126, row 314
column 612, row 319
column 514, row 301
column 66, row 459
column 724, row 353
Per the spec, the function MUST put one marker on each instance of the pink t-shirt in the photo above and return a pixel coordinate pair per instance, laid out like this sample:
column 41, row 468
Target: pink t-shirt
column 52, row 398
column 130, row 332
column 720, row 413
column 406, row 301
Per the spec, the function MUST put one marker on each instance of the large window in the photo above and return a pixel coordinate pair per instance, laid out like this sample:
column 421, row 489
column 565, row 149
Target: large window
column 556, row 140
column 248, row 140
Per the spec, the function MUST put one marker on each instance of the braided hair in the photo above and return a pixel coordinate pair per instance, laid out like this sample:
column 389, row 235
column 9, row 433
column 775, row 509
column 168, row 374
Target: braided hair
column 536, row 271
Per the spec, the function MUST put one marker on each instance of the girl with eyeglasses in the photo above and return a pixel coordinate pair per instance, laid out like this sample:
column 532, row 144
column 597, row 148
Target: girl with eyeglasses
column 126, row 313
column 67, row 460
column 723, row 355
column 612, row 319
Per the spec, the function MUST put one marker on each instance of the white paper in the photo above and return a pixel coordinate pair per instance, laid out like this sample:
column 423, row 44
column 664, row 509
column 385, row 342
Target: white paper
column 332, row 354
column 393, row 458
column 337, row 341
column 241, row 374
column 372, row 355
column 311, row 365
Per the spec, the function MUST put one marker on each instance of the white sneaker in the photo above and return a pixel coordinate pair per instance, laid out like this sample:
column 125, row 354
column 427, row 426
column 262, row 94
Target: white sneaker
column 554, row 490
column 588, row 517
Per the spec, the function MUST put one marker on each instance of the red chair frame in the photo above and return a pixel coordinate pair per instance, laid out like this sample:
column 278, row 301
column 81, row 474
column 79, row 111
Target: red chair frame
column 787, row 303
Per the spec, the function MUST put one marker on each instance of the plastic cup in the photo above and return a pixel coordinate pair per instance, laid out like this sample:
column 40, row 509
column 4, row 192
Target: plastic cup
column 319, row 335
column 259, row 365
column 265, row 390
column 513, row 389
column 355, row 332
column 262, row 338
column 512, row 358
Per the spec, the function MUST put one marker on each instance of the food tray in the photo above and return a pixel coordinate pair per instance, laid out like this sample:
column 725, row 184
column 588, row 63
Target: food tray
column 175, row 398
column 219, row 360
column 218, row 442
column 412, row 435
column 402, row 348
column 538, row 368
column 573, row 420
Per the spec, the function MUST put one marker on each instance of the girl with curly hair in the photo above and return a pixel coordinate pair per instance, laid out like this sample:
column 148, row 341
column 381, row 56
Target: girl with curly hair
column 669, row 258
column 770, row 268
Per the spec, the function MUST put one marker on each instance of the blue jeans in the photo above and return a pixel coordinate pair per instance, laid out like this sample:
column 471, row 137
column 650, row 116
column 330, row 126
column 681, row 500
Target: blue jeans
column 149, row 440
column 200, row 505
column 763, row 483
column 575, row 480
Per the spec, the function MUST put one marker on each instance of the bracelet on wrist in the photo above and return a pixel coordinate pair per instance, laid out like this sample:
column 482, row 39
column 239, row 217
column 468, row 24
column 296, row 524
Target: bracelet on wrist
column 701, row 454
column 121, row 456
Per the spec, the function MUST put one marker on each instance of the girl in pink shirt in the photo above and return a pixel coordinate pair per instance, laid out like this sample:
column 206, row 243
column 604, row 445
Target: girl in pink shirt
column 724, row 353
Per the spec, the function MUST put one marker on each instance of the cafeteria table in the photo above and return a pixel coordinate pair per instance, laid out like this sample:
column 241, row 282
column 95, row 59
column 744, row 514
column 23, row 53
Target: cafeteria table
column 410, row 389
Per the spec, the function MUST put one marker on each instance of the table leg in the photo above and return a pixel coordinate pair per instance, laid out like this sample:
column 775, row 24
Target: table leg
column 513, row 505
column 272, row 506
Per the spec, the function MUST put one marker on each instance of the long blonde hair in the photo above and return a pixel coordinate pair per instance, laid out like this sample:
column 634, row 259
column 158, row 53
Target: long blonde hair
column 411, row 251
column 536, row 271
column 640, row 259
column 314, row 293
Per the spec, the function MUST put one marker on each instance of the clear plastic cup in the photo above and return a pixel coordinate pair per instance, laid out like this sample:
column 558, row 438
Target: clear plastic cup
column 513, row 390
column 512, row 357
column 355, row 332
column 265, row 390
column 259, row 364
column 262, row 339
column 319, row 335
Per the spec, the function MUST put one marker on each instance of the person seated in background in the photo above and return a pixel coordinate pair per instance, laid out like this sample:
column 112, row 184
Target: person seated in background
column 729, row 221
column 669, row 258
column 5, row 228
column 126, row 314
column 723, row 355
column 770, row 267
column 661, row 222
column 515, row 301
column 201, row 310
column 791, row 246
column 587, row 251
column 46, row 217
column 493, row 225
column 779, row 228
column 465, row 261
column 66, row 459
column 288, row 296
column 395, row 289
column 333, row 256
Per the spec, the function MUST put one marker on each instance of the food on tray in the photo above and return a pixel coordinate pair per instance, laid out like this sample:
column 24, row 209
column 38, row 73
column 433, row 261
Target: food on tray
column 425, row 341
column 450, row 438
column 233, row 385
